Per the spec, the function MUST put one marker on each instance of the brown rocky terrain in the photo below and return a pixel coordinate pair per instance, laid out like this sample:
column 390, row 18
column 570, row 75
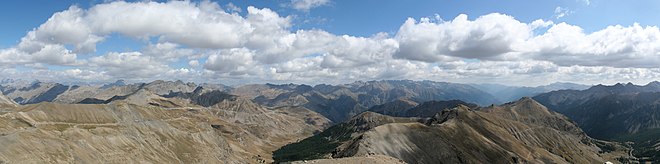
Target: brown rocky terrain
column 6, row 102
column 125, row 131
column 372, row 159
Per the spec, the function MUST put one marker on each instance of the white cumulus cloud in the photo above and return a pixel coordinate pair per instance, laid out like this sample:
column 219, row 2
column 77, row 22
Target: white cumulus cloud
column 129, row 65
column 233, row 61
column 486, row 37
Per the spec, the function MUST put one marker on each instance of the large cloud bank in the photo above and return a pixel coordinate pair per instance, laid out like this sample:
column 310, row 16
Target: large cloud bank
column 217, row 44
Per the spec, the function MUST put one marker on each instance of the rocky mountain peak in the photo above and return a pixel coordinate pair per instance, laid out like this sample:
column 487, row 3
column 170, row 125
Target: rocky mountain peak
column 447, row 114
column 618, row 85
column 525, row 107
column 368, row 119
column 115, row 84
column 530, row 103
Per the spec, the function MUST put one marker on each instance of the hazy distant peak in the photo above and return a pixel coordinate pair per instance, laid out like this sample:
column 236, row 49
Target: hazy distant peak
column 114, row 84
column 653, row 83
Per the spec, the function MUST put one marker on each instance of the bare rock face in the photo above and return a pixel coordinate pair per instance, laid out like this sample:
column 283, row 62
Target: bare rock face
column 129, row 131
column 6, row 102
column 518, row 132
column 35, row 92
column 161, row 87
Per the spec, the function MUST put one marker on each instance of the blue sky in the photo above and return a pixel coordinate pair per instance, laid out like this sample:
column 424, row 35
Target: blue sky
column 587, row 50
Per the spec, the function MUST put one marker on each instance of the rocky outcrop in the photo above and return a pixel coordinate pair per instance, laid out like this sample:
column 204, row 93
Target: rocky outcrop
column 6, row 102
column 202, row 96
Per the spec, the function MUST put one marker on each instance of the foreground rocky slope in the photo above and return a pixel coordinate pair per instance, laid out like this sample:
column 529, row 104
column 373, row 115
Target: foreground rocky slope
column 519, row 132
column 372, row 159
column 167, row 130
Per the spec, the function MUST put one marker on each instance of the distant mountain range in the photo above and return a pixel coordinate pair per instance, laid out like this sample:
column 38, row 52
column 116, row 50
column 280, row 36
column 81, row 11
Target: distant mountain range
column 622, row 112
column 35, row 92
column 403, row 108
column 506, row 93
column 340, row 102
column 335, row 102
column 25, row 92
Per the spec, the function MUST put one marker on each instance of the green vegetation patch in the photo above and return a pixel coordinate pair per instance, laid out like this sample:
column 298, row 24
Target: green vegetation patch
column 643, row 147
column 315, row 147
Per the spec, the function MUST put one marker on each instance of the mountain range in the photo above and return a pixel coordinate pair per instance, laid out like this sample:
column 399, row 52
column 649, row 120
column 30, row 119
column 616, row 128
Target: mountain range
column 519, row 132
column 505, row 93
column 336, row 102
column 388, row 120
column 340, row 102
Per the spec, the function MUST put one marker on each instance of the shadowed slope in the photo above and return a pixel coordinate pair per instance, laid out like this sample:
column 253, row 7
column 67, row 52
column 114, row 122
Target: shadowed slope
column 622, row 112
